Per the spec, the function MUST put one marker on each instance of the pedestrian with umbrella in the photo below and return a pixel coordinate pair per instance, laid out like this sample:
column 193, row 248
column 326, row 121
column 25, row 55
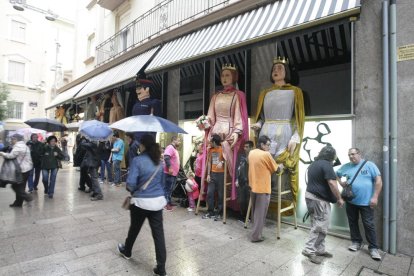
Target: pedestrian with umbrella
column 51, row 160
column 91, row 163
column 147, row 123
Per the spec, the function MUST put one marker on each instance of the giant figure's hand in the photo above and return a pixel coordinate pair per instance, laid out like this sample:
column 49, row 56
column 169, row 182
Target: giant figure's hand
column 291, row 147
column 234, row 137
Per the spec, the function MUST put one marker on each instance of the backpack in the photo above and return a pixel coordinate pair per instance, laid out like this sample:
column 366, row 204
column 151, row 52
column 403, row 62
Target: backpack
column 243, row 172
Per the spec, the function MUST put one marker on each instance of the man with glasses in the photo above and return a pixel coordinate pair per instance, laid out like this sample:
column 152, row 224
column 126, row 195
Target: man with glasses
column 366, row 188
column 261, row 167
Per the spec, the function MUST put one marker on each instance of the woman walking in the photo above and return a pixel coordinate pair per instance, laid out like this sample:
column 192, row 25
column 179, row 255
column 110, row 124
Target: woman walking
column 145, row 182
column 21, row 153
column 52, row 155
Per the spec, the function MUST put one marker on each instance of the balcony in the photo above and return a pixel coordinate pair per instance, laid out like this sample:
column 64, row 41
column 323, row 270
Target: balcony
column 110, row 4
column 162, row 18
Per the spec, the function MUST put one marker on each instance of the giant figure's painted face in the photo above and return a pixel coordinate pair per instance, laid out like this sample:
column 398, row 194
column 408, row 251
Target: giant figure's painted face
column 227, row 78
column 278, row 72
column 143, row 93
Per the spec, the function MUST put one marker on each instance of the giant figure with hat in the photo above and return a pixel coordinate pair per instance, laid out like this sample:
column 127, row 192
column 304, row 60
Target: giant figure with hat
column 145, row 105
column 281, row 116
column 228, row 118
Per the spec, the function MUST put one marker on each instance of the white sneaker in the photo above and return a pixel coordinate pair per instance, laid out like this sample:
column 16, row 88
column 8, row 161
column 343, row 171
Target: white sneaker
column 113, row 184
column 375, row 254
column 355, row 246
column 190, row 209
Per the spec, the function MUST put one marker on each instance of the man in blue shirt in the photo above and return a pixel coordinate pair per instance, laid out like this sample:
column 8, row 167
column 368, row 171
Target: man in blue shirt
column 117, row 156
column 366, row 188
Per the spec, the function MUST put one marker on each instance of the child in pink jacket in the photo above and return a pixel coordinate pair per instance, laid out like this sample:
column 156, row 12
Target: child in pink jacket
column 191, row 187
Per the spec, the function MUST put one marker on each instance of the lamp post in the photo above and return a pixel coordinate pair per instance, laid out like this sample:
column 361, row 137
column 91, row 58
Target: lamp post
column 20, row 5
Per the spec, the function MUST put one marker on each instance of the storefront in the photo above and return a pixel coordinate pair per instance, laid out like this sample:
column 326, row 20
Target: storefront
column 320, row 50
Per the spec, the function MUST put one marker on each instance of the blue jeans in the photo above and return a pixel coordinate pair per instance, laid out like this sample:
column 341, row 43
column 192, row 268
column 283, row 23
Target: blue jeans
column 108, row 166
column 49, row 185
column 117, row 171
column 169, row 186
column 33, row 184
column 367, row 216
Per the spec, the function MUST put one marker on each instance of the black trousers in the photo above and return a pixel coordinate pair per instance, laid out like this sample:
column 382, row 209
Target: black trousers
column 84, row 178
column 155, row 220
column 20, row 190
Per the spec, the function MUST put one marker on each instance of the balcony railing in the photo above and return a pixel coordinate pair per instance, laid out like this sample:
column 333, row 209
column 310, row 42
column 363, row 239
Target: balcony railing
column 163, row 17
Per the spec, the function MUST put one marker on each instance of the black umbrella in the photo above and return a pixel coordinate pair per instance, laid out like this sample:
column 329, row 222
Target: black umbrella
column 46, row 124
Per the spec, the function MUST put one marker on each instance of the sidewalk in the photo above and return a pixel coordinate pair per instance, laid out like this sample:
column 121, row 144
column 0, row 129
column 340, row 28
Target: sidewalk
column 71, row 235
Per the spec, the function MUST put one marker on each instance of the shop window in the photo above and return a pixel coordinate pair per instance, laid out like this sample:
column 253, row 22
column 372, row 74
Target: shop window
column 18, row 31
column 191, row 91
column 14, row 110
column 321, row 59
column 16, row 72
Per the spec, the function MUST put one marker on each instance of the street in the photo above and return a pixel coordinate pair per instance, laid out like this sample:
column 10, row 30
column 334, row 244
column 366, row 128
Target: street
column 71, row 235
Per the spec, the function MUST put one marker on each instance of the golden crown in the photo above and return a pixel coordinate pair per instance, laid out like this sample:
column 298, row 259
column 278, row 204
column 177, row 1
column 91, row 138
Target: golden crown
column 282, row 60
column 228, row 66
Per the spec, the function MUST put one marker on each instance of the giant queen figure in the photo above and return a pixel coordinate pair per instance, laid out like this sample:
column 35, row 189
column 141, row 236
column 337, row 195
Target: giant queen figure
column 281, row 116
column 227, row 115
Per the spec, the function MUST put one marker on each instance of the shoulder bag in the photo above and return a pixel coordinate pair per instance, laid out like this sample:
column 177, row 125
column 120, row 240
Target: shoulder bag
column 347, row 193
column 127, row 201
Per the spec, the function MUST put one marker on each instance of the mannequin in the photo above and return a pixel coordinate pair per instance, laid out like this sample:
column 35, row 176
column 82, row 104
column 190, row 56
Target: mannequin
column 105, row 108
column 117, row 111
column 60, row 115
column 281, row 116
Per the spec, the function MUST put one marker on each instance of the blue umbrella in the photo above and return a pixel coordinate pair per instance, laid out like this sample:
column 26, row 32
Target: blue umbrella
column 95, row 130
column 147, row 123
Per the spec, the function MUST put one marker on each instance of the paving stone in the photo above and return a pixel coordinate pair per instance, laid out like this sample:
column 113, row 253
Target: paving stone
column 70, row 235
column 395, row 265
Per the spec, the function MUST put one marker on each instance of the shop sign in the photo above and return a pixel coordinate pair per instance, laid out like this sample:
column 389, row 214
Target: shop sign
column 405, row 52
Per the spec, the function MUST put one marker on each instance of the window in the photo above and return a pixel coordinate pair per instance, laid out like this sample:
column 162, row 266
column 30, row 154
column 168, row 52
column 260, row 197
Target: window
column 14, row 110
column 18, row 31
column 91, row 46
column 16, row 72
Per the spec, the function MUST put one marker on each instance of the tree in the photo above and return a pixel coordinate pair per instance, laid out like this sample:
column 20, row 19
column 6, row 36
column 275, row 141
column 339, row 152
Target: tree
column 4, row 94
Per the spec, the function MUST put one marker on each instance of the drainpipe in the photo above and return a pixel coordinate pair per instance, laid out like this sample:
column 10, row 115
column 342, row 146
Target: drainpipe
column 393, row 127
column 386, row 127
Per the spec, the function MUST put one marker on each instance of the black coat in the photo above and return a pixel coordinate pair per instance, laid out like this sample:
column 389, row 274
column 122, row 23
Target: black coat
column 91, row 158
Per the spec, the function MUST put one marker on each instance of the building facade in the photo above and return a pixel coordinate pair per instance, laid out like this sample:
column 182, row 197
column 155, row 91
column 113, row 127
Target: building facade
column 335, row 46
column 36, row 58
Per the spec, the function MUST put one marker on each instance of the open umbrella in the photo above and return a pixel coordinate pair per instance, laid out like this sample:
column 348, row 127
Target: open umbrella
column 95, row 130
column 146, row 123
column 46, row 124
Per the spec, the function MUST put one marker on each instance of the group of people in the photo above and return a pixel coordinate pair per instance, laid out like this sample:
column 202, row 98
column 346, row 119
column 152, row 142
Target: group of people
column 34, row 158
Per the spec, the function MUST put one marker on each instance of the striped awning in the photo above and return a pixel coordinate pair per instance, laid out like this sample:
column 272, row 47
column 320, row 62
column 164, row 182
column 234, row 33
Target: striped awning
column 67, row 96
column 117, row 75
column 265, row 22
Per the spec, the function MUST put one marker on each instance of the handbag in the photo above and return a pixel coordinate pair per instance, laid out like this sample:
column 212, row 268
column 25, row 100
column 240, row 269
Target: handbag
column 347, row 194
column 11, row 172
column 127, row 201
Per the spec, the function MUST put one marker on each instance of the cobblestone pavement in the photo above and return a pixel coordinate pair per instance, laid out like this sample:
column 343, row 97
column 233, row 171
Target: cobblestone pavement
column 71, row 235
